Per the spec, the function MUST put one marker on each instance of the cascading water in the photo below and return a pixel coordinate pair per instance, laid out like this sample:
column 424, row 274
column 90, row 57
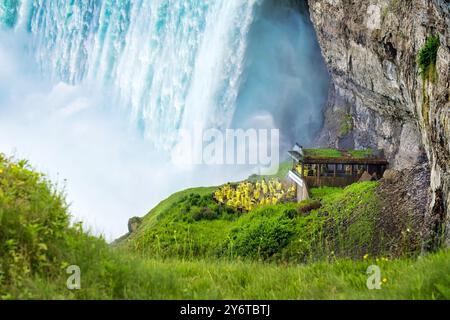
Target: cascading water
column 173, row 64
column 165, row 65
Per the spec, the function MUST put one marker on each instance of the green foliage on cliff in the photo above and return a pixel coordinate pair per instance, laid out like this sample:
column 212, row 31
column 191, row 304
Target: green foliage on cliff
column 346, row 125
column 427, row 58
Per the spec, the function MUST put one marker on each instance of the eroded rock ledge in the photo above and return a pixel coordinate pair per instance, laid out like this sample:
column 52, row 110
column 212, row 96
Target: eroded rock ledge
column 378, row 96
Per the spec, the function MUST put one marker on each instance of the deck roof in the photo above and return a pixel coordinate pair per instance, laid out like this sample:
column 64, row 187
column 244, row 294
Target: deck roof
column 334, row 156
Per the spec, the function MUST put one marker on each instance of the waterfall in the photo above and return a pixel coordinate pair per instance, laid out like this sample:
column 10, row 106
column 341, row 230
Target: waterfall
column 98, row 92
column 175, row 64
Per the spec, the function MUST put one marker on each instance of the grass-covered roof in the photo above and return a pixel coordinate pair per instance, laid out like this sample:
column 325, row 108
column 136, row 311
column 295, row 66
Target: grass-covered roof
column 335, row 156
column 334, row 153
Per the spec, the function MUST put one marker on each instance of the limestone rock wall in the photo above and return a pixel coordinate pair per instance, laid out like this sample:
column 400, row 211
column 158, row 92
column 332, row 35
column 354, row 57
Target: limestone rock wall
column 378, row 97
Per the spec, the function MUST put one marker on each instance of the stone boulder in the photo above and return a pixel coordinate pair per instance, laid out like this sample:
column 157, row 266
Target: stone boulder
column 133, row 224
column 367, row 177
column 391, row 176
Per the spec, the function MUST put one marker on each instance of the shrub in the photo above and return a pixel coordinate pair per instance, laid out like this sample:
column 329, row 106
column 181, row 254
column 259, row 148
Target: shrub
column 264, row 238
column 36, row 237
column 33, row 220
column 195, row 208
column 204, row 213
column 290, row 213
column 427, row 58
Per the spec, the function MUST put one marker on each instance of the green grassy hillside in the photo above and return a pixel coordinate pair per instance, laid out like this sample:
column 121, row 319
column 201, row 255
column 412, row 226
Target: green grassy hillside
column 204, row 253
column 334, row 223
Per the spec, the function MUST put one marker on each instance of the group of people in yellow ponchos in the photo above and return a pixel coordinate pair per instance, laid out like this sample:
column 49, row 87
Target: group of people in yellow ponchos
column 247, row 195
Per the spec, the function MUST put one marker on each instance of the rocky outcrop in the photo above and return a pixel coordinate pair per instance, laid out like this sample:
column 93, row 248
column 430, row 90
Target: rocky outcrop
column 404, row 206
column 379, row 98
column 133, row 225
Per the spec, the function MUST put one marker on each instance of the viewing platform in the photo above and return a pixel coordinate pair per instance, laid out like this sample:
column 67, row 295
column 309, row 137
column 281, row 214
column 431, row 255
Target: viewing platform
column 315, row 168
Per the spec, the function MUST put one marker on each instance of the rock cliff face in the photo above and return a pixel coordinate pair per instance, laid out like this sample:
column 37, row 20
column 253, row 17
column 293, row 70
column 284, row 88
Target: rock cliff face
column 379, row 97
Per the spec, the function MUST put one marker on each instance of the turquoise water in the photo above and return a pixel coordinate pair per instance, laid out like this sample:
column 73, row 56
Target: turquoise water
column 97, row 92
column 175, row 64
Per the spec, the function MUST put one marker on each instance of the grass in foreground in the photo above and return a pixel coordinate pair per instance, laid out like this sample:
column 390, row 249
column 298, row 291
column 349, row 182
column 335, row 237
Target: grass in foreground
column 38, row 243
column 125, row 277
